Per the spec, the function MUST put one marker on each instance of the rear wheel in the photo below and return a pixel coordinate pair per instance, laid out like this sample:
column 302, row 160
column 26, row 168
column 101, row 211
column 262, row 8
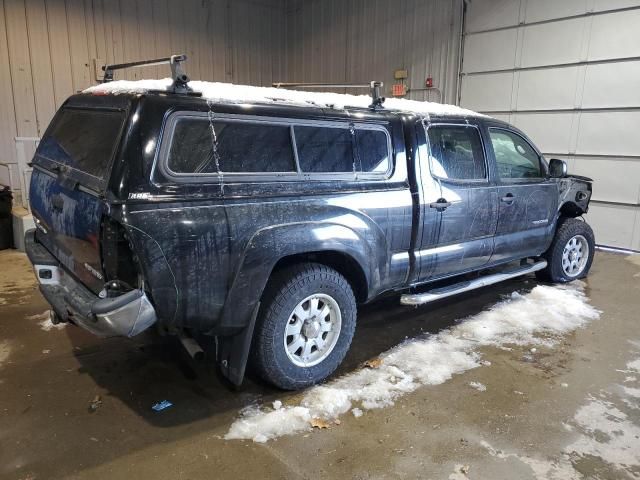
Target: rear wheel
column 305, row 326
column 571, row 253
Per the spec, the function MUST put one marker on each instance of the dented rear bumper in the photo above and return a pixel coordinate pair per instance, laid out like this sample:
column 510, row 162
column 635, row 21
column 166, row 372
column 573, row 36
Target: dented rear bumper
column 126, row 315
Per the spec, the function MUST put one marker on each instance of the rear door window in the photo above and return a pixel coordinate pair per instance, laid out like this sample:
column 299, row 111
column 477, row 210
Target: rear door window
column 83, row 139
column 456, row 153
column 201, row 146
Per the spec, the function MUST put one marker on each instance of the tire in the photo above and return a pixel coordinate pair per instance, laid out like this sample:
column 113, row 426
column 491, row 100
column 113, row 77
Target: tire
column 295, row 288
column 562, row 267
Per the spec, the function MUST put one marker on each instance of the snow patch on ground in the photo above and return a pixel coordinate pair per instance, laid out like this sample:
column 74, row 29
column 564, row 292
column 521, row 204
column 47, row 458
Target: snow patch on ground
column 44, row 321
column 610, row 427
column 608, row 433
column 607, row 428
column 5, row 351
column 478, row 386
column 460, row 472
column 634, row 365
column 542, row 469
column 603, row 430
column 47, row 325
column 537, row 317
column 231, row 93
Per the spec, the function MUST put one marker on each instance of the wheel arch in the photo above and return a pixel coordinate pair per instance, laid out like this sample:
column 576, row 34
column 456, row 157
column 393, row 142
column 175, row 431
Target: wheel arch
column 274, row 248
column 340, row 261
column 570, row 209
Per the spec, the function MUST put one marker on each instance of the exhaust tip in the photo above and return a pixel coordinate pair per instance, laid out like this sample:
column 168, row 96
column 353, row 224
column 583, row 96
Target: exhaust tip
column 192, row 347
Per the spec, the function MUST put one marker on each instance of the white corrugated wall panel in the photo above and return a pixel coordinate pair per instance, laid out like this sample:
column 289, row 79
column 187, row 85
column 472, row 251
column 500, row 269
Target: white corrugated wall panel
column 615, row 35
column 551, row 132
column 8, row 129
column 566, row 73
column 490, row 92
column 609, row 133
column 490, row 51
column 552, row 43
column 491, row 14
column 540, row 10
column 547, row 89
column 607, row 170
column 612, row 85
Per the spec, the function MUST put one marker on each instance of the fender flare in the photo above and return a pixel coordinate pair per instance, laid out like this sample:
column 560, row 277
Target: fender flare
column 271, row 244
column 265, row 248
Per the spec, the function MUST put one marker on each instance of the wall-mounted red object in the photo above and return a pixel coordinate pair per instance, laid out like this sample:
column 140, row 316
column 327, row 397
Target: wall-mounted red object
column 428, row 82
column 399, row 90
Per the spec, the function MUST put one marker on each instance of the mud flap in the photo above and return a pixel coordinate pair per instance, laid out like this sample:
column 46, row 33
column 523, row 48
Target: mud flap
column 233, row 351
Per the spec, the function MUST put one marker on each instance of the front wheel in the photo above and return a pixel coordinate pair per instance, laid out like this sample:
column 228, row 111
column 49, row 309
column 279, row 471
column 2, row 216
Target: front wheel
column 305, row 326
column 571, row 253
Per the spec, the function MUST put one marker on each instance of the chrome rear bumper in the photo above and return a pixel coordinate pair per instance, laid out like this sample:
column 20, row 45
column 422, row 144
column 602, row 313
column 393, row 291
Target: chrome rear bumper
column 126, row 315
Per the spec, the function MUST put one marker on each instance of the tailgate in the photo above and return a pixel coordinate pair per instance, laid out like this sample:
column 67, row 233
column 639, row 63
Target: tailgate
column 71, row 170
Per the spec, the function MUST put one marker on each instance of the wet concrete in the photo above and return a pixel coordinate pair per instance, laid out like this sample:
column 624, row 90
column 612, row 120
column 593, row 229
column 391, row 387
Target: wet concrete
column 570, row 411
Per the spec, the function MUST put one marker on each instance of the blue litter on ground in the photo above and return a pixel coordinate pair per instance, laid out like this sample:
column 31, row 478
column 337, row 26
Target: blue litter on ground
column 162, row 405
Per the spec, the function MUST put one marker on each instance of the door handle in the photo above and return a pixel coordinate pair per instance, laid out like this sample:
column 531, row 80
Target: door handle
column 440, row 205
column 508, row 198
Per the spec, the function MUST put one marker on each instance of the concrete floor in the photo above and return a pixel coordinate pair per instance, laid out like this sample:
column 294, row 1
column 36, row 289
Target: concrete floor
column 540, row 413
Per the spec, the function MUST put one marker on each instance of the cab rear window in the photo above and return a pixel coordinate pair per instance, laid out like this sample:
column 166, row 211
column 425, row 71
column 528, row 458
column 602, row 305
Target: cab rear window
column 83, row 139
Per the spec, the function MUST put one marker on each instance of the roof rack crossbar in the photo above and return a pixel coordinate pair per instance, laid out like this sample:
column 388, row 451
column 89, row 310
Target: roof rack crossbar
column 180, row 78
column 375, row 89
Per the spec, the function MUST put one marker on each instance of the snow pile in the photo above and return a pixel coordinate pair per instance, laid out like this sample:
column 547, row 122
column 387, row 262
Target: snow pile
column 47, row 325
column 44, row 321
column 534, row 318
column 231, row 93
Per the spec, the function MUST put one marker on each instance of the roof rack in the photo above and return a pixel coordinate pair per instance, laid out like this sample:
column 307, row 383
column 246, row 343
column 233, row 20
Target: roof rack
column 374, row 89
column 180, row 78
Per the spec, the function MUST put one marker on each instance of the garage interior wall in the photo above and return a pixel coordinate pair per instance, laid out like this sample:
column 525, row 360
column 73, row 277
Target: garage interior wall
column 567, row 73
column 356, row 41
column 48, row 49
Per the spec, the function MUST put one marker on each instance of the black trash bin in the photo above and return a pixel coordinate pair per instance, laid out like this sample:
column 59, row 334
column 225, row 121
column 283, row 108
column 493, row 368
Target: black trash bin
column 6, row 222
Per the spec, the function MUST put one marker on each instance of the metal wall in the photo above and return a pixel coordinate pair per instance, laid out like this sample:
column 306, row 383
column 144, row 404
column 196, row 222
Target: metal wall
column 357, row 41
column 48, row 49
column 567, row 73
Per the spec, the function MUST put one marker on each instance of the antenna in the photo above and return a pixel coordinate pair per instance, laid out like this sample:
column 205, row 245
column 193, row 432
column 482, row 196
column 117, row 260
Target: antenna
column 374, row 89
column 180, row 78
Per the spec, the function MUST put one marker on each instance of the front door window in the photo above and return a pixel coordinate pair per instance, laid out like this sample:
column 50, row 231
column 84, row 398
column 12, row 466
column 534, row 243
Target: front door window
column 515, row 158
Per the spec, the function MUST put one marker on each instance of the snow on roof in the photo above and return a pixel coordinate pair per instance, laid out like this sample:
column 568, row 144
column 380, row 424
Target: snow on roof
column 231, row 93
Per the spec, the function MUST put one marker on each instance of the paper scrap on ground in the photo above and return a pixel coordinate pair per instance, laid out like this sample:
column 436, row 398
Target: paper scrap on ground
column 164, row 404
column 537, row 318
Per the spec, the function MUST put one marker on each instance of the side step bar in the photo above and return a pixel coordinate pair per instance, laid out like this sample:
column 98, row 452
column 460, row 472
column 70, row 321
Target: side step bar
column 443, row 292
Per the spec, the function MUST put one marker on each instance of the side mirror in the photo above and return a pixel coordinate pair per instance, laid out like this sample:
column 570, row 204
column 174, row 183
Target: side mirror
column 557, row 168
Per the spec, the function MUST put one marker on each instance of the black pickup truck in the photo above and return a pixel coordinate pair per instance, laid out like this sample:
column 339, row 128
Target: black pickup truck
column 263, row 217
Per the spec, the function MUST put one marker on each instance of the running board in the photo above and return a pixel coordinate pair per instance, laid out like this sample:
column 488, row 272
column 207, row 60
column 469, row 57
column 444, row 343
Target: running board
column 443, row 292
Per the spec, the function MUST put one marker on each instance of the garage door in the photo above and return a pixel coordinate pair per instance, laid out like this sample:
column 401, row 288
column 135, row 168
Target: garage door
column 568, row 74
